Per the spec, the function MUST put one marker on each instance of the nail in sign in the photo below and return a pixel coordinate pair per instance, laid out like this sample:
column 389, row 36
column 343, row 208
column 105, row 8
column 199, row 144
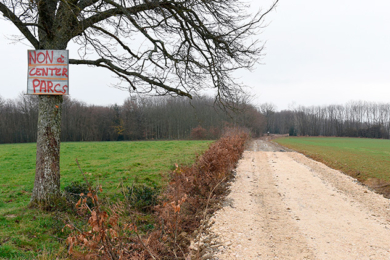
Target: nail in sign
column 48, row 72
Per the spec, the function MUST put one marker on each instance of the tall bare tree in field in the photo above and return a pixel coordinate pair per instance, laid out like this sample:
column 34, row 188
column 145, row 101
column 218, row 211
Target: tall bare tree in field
column 175, row 47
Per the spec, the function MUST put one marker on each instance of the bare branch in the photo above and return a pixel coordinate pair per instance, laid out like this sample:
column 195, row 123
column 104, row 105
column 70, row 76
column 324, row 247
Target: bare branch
column 19, row 24
column 101, row 16
column 156, row 46
column 124, row 46
column 108, row 64
column 85, row 3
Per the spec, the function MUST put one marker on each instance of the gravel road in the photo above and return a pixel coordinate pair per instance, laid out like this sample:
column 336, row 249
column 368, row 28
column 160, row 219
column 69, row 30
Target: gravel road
column 283, row 205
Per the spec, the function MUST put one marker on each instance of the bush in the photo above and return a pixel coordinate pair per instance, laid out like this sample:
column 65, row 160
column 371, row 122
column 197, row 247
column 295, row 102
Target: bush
column 73, row 191
column 143, row 197
column 214, row 133
column 198, row 133
column 193, row 190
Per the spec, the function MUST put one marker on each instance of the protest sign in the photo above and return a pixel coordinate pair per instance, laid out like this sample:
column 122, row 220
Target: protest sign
column 48, row 72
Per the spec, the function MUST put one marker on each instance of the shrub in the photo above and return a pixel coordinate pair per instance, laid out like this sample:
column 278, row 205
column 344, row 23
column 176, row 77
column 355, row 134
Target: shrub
column 143, row 197
column 198, row 133
column 214, row 133
column 193, row 189
column 73, row 191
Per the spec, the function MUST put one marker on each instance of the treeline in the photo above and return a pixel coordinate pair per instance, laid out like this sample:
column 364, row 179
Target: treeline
column 136, row 119
column 355, row 119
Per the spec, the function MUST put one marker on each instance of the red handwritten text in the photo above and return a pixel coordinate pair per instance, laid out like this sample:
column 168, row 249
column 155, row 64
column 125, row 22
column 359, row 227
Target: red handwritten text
column 48, row 87
column 40, row 57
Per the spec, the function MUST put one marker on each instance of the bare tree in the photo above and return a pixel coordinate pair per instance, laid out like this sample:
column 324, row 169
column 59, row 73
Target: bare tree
column 268, row 110
column 186, row 46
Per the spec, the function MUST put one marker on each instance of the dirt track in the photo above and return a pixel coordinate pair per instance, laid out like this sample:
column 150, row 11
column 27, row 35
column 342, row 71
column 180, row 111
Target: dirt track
column 283, row 205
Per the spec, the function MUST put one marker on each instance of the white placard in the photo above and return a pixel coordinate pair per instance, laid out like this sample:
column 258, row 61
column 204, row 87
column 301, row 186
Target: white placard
column 48, row 72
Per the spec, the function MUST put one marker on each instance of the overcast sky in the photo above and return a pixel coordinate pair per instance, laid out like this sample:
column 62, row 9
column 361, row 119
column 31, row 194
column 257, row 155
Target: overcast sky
column 317, row 53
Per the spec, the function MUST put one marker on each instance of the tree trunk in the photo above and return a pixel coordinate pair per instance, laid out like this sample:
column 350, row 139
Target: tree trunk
column 47, row 176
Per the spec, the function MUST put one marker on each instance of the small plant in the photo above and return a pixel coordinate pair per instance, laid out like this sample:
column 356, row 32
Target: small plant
column 73, row 191
column 106, row 237
column 143, row 197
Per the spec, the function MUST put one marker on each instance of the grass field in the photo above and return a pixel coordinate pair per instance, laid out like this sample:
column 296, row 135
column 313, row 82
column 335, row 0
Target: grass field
column 361, row 158
column 25, row 232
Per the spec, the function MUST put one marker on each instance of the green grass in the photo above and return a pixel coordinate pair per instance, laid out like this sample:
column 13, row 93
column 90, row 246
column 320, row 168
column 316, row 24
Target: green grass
column 25, row 232
column 359, row 157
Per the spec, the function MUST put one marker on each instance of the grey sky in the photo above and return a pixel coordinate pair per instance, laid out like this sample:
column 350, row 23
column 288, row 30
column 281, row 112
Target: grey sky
column 317, row 53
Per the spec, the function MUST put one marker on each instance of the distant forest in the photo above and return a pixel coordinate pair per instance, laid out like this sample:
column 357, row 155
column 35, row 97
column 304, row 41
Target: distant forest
column 168, row 118
column 149, row 118
column 355, row 119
